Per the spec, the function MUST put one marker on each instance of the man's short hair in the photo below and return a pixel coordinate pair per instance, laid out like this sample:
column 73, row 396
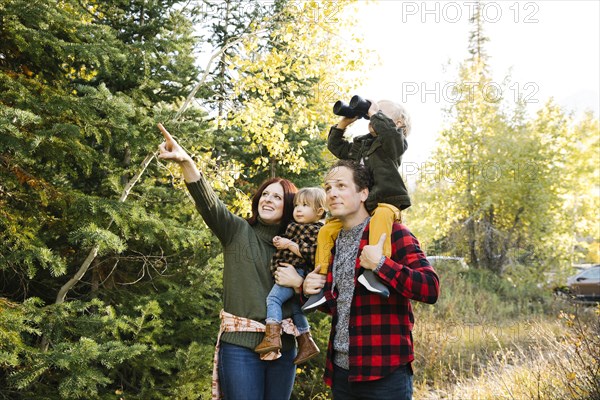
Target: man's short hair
column 360, row 173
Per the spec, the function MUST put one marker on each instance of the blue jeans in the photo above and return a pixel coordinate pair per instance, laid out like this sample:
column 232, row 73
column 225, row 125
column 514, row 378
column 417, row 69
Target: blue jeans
column 395, row 386
column 244, row 376
column 279, row 295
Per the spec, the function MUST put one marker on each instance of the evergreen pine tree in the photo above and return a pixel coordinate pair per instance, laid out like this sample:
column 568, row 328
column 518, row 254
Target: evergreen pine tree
column 82, row 85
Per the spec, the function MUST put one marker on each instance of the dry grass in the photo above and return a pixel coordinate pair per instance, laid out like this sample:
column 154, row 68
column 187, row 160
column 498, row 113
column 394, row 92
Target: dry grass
column 540, row 359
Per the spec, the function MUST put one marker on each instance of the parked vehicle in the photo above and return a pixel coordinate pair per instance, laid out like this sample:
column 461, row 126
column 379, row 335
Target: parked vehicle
column 585, row 285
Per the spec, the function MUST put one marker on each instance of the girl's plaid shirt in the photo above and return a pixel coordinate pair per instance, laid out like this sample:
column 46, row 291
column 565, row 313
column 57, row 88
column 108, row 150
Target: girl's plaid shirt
column 380, row 328
column 305, row 236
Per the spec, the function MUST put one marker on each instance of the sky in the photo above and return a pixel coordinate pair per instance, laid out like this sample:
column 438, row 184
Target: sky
column 549, row 48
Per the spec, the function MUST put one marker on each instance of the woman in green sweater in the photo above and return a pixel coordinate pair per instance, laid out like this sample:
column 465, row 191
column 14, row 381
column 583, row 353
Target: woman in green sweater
column 240, row 373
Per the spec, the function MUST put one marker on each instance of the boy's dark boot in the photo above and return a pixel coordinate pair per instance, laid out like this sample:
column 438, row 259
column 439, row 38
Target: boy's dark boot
column 314, row 301
column 369, row 280
column 307, row 348
column 272, row 339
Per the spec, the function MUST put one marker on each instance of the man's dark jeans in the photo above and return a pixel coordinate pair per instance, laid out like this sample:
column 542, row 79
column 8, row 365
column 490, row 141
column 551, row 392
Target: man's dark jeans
column 396, row 386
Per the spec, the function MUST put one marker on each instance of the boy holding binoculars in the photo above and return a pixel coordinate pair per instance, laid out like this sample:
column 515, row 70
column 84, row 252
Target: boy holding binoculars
column 381, row 151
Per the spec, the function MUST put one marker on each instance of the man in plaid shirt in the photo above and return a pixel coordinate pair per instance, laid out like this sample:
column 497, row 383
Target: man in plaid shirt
column 370, row 346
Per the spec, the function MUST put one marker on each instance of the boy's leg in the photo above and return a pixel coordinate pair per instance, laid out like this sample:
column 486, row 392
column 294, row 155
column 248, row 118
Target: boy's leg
column 382, row 219
column 325, row 242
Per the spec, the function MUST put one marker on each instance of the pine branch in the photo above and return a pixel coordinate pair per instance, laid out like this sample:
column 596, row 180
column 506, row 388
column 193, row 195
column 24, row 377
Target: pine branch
column 62, row 293
column 60, row 298
column 24, row 177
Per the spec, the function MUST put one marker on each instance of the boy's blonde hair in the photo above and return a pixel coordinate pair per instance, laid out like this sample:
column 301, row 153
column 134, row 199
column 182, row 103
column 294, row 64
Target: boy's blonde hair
column 397, row 113
column 313, row 196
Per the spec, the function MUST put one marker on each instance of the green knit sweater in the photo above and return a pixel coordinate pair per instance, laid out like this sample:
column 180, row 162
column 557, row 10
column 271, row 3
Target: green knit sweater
column 247, row 252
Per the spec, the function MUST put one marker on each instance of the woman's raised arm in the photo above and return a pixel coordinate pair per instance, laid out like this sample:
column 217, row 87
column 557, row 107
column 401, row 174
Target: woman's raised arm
column 216, row 215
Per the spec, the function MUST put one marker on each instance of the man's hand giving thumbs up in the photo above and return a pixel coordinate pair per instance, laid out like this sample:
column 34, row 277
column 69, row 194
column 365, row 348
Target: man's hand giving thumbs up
column 371, row 254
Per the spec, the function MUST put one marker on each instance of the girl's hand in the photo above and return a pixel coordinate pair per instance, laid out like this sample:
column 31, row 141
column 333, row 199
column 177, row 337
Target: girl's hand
column 281, row 243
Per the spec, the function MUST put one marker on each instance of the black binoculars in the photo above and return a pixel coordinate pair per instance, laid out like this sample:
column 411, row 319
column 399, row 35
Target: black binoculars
column 358, row 108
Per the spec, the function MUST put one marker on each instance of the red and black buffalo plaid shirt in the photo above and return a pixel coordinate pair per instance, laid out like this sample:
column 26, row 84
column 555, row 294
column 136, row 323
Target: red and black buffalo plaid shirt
column 380, row 328
column 305, row 236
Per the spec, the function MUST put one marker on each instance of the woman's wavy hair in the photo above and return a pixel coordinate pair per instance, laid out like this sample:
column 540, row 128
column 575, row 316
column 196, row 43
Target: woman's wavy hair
column 289, row 191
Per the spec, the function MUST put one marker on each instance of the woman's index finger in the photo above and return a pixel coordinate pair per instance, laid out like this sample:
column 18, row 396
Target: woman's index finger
column 165, row 133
